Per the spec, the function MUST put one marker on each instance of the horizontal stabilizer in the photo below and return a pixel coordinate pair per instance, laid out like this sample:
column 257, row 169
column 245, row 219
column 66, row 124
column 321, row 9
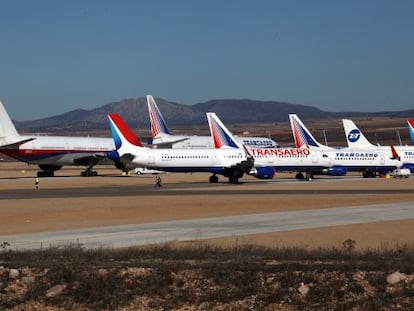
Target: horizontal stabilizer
column 168, row 144
column 16, row 144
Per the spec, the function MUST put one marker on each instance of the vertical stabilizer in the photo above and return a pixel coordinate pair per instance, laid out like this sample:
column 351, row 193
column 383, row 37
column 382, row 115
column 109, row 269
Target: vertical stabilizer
column 220, row 134
column 354, row 137
column 7, row 128
column 125, row 140
column 302, row 136
column 158, row 124
column 411, row 129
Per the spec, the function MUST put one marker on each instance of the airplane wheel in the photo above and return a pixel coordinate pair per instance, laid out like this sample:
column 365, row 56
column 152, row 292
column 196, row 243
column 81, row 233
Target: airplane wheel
column 45, row 174
column 213, row 179
column 300, row 176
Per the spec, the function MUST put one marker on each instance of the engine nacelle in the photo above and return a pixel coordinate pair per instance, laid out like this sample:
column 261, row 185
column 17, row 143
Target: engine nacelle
column 266, row 172
column 337, row 170
column 410, row 166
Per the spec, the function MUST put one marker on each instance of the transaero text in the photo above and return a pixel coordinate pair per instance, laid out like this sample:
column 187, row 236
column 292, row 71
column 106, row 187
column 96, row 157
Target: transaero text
column 280, row 152
column 356, row 155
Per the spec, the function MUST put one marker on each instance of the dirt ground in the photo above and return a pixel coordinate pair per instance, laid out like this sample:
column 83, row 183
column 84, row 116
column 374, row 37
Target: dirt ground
column 50, row 214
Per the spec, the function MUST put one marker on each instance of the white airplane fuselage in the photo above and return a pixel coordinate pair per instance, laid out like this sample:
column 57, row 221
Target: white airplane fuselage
column 57, row 150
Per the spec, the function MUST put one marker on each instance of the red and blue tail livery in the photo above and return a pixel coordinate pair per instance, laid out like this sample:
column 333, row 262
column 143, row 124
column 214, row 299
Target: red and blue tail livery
column 221, row 138
column 411, row 129
column 303, row 138
column 121, row 132
column 158, row 124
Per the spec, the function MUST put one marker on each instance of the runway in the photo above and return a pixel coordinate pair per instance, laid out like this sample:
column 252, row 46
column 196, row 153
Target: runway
column 194, row 229
column 180, row 190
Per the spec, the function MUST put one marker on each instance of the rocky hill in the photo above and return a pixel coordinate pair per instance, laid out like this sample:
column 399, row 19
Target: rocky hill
column 135, row 112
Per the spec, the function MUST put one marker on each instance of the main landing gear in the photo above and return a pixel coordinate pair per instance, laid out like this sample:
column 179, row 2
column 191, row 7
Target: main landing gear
column 308, row 176
column 213, row 179
column 234, row 179
column 89, row 172
column 48, row 170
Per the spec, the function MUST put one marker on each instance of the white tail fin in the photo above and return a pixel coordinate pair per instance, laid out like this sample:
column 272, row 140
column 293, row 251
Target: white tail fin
column 7, row 128
column 354, row 136
column 158, row 124
column 221, row 136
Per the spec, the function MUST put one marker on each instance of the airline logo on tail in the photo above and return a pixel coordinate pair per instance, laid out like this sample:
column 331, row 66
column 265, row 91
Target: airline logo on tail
column 301, row 136
column 158, row 124
column 121, row 132
column 354, row 135
column 411, row 129
column 220, row 137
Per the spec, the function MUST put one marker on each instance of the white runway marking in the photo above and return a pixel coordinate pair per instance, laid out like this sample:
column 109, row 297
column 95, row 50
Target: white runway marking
column 181, row 230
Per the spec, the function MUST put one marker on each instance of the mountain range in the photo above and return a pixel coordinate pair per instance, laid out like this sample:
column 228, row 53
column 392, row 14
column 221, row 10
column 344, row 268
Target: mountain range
column 231, row 111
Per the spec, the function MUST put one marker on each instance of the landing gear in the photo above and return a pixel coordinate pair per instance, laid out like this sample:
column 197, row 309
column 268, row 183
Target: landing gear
column 89, row 172
column 48, row 170
column 233, row 180
column 213, row 179
column 369, row 174
column 300, row 176
column 46, row 173
column 308, row 176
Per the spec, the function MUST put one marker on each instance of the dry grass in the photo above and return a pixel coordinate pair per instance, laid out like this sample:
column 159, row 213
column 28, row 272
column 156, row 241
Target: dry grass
column 210, row 278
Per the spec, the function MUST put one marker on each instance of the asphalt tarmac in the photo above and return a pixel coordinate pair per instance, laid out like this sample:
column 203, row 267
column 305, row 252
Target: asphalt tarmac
column 167, row 231
column 107, row 214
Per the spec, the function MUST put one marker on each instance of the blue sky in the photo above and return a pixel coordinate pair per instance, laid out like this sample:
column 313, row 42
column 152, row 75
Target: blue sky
column 56, row 56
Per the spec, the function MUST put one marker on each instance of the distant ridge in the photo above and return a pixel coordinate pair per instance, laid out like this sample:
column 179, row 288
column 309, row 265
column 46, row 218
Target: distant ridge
column 134, row 111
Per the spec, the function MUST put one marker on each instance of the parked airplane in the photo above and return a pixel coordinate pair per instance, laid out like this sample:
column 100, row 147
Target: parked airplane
column 269, row 160
column 50, row 153
column 411, row 129
column 370, row 162
column 162, row 137
column 232, row 163
column 357, row 140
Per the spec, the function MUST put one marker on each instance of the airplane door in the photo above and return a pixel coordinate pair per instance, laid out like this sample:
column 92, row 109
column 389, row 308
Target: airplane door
column 382, row 160
column 151, row 159
column 270, row 159
column 314, row 158
column 214, row 157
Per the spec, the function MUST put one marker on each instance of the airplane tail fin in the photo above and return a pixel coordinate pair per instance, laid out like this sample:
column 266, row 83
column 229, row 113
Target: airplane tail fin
column 302, row 136
column 411, row 129
column 7, row 128
column 158, row 124
column 394, row 153
column 124, row 137
column 354, row 136
column 222, row 138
